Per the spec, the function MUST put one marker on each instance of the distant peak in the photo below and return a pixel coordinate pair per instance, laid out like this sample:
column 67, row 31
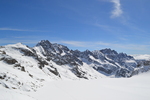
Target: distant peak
column 17, row 44
column 108, row 51
column 43, row 42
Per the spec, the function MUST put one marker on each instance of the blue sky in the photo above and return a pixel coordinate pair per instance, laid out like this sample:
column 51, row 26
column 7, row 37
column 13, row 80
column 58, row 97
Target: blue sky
column 122, row 25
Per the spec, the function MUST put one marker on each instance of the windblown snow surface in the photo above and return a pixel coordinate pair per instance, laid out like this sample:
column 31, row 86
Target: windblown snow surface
column 134, row 88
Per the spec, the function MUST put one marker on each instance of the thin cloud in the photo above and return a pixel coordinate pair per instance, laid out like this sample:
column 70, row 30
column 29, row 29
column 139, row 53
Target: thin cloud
column 13, row 29
column 18, row 41
column 117, row 9
column 27, row 41
column 116, row 31
column 105, row 27
column 97, row 45
column 74, row 43
column 121, row 47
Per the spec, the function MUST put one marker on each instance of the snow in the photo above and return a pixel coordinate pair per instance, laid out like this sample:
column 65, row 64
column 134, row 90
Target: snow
column 16, row 78
column 142, row 57
column 64, row 72
column 7, row 94
column 40, row 84
column 135, row 88
column 98, row 60
column 39, row 50
column 62, row 54
column 92, row 74
column 130, row 61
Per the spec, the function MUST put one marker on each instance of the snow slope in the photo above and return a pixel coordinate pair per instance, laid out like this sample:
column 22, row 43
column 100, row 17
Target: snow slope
column 135, row 88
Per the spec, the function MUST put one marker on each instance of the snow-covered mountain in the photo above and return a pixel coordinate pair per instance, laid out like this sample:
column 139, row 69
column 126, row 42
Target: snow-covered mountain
column 143, row 63
column 26, row 68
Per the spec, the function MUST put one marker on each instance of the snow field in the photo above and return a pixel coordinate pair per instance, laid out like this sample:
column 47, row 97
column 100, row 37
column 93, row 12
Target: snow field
column 135, row 88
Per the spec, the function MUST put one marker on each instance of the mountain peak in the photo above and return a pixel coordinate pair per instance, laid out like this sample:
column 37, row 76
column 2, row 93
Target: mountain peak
column 108, row 51
column 43, row 42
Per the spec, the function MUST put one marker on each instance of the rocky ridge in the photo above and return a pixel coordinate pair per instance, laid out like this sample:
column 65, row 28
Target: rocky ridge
column 26, row 68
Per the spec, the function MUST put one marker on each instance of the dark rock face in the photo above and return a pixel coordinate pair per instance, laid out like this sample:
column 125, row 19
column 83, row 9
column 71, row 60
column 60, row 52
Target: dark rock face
column 109, row 52
column 79, row 73
column 123, row 73
column 106, row 60
column 59, row 53
column 54, row 71
column 142, row 66
column 9, row 60
column 19, row 67
column 146, row 63
column 2, row 75
column 27, row 52
column 41, row 63
column 107, row 71
column 120, row 64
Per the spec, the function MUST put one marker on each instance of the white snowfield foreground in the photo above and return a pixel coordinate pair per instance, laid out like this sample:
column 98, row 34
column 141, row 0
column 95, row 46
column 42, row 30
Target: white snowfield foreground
column 135, row 88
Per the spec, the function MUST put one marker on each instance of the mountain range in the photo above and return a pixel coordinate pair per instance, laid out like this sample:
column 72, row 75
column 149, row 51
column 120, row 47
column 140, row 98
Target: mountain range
column 26, row 68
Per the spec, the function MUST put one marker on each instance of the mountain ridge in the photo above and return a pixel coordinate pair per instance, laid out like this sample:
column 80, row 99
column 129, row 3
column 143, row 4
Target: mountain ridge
column 26, row 68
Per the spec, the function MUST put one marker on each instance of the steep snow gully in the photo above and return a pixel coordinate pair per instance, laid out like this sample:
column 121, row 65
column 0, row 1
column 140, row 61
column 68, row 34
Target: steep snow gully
column 25, row 71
